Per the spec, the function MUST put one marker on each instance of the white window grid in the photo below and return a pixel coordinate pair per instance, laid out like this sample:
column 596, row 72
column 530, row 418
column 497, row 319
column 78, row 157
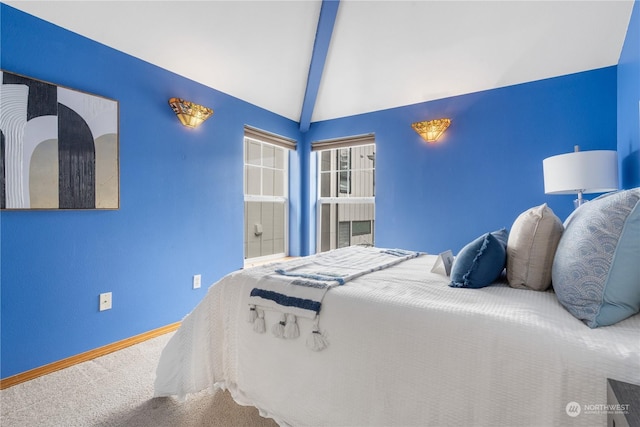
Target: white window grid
column 284, row 198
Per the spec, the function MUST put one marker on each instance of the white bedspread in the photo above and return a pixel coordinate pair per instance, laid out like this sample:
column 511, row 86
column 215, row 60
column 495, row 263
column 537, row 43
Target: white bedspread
column 406, row 350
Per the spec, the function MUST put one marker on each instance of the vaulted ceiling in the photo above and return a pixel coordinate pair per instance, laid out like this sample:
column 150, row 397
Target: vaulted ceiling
column 367, row 56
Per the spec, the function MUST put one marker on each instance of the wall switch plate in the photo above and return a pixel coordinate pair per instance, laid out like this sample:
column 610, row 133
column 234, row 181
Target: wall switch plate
column 105, row 301
column 197, row 280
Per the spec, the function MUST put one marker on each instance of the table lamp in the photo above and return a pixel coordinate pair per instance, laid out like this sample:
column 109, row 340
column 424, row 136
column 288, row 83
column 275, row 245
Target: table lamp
column 581, row 172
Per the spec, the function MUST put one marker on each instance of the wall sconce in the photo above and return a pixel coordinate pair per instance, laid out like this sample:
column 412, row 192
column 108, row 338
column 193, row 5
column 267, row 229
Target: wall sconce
column 431, row 130
column 581, row 172
column 190, row 114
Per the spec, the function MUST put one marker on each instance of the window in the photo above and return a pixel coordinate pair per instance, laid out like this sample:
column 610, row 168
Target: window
column 344, row 167
column 266, row 184
column 361, row 228
column 346, row 192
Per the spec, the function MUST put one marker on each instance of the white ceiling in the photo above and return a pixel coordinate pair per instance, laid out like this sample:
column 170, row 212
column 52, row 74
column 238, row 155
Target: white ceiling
column 382, row 54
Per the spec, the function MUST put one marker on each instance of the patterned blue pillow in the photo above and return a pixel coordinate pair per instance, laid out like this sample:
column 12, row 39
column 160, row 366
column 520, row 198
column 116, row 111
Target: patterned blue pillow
column 596, row 270
column 481, row 261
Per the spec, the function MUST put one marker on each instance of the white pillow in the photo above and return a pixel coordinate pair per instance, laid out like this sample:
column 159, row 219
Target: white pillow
column 532, row 244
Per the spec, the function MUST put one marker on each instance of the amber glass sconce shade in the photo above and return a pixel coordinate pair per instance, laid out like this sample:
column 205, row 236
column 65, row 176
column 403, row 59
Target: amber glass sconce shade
column 190, row 114
column 431, row 130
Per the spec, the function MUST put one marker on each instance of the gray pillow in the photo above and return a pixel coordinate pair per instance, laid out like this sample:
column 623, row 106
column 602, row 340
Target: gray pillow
column 596, row 270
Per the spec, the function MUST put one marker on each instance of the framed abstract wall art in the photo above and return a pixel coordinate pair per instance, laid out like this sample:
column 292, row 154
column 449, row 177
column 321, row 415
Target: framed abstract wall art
column 59, row 147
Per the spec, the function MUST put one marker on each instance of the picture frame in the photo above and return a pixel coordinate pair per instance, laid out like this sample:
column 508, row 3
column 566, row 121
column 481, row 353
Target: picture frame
column 59, row 147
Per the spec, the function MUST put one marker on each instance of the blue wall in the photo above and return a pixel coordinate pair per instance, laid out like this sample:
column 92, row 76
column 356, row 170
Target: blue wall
column 181, row 190
column 487, row 167
column 181, row 201
column 629, row 104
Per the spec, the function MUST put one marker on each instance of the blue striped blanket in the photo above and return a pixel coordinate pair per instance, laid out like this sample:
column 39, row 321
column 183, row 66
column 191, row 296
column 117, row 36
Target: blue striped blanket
column 299, row 290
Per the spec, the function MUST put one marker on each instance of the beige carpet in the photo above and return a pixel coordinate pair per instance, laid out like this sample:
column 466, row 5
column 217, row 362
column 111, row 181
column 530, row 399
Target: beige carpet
column 117, row 390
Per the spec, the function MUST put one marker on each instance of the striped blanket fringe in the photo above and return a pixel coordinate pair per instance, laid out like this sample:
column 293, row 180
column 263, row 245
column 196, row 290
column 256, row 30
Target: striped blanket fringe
column 286, row 328
column 317, row 341
column 256, row 316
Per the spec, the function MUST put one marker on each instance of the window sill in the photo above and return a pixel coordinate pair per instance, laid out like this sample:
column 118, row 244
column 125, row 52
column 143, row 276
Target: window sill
column 250, row 264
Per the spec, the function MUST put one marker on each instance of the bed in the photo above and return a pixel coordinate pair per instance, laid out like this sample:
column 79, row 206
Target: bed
column 401, row 347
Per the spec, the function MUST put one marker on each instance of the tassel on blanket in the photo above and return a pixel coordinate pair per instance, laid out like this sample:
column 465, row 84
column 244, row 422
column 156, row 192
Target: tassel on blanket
column 278, row 328
column 258, row 325
column 291, row 329
column 316, row 341
column 252, row 314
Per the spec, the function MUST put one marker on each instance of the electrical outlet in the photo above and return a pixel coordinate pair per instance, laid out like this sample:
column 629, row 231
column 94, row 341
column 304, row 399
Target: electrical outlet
column 105, row 301
column 197, row 279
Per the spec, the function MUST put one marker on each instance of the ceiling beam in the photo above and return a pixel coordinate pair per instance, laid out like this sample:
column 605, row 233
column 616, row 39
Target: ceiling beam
column 328, row 13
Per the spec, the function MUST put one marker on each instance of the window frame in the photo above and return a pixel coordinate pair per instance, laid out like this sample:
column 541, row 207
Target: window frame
column 341, row 198
column 255, row 136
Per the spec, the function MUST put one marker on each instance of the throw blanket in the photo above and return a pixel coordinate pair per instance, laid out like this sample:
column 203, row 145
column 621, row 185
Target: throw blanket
column 299, row 290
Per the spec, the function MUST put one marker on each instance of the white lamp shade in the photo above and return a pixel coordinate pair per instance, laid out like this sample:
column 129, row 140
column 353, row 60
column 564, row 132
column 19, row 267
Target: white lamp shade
column 587, row 171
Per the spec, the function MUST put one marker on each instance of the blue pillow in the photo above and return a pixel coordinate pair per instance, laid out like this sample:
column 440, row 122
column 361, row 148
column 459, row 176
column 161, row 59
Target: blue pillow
column 596, row 269
column 481, row 261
